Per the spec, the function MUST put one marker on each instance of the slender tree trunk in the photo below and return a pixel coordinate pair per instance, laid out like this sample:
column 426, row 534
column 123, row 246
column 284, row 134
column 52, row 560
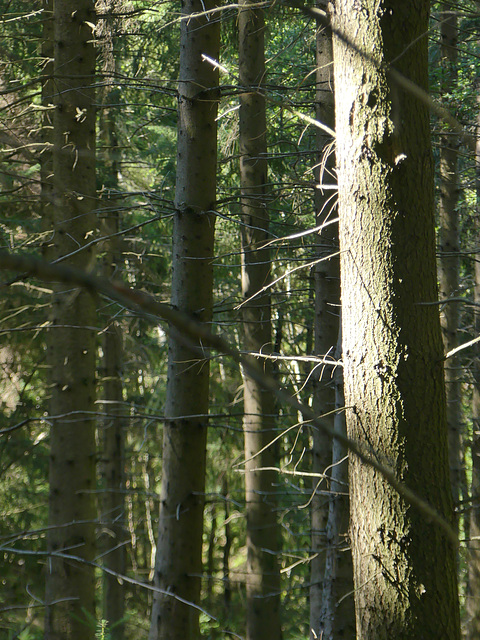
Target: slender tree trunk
column 337, row 615
column 327, row 301
column 112, row 456
column 179, row 550
column 263, row 578
column 46, row 155
column 449, row 246
column 112, row 435
column 473, row 588
column 404, row 567
column 70, row 584
column 227, row 588
column 112, row 469
column 210, row 563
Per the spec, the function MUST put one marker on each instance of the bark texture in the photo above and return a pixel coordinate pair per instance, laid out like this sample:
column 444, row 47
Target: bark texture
column 178, row 565
column 404, row 567
column 263, row 578
column 70, row 584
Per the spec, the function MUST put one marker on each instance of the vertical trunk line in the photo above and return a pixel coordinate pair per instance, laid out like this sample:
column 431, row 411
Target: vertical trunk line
column 263, row 578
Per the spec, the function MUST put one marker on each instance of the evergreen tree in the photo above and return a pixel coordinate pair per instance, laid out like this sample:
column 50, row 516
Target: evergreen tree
column 263, row 536
column 70, row 583
column 178, row 566
column 404, row 566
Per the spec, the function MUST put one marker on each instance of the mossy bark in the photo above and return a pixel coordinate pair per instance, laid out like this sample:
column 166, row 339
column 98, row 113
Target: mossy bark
column 404, row 567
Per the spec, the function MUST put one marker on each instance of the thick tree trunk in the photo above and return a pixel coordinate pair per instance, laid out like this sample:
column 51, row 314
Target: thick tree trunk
column 473, row 588
column 448, row 271
column 178, row 565
column 263, row 538
column 404, row 567
column 70, row 584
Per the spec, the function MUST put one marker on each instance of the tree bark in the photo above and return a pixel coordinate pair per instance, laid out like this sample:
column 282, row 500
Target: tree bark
column 70, row 584
column 448, row 271
column 113, row 426
column 473, row 587
column 112, row 469
column 404, row 567
column 327, row 303
column 337, row 614
column 179, row 551
column 263, row 539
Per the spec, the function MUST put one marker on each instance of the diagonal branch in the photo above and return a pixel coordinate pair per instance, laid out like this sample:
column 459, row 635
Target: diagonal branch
column 192, row 332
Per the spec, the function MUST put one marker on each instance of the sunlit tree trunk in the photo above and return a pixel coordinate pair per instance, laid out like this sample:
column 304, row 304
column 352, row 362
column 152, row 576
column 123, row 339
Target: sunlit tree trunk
column 70, row 583
column 178, row 565
column 448, row 271
column 473, row 587
column 404, row 565
column 263, row 538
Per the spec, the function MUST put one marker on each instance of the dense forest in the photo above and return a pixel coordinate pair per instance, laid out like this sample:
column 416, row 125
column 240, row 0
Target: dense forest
column 240, row 326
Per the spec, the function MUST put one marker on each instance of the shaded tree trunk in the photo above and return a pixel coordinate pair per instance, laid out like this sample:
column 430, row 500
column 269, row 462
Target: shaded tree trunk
column 227, row 588
column 449, row 246
column 113, row 482
column 70, row 584
column 178, row 565
column 46, row 132
column 404, row 567
column 263, row 537
column 337, row 615
column 473, row 587
column 327, row 300
column 112, row 434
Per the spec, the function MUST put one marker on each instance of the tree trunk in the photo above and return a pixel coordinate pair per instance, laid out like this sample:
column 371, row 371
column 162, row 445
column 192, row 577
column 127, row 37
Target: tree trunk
column 46, row 133
column 337, row 615
column 70, row 584
column 227, row 587
column 112, row 434
column 404, row 567
column 473, row 588
column 263, row 578
column 449, row 246
column 327, row 303
column 112, row 469
column 179, row 550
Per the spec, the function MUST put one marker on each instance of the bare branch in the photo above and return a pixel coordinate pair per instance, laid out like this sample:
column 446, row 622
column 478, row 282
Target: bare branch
column 192, row 331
